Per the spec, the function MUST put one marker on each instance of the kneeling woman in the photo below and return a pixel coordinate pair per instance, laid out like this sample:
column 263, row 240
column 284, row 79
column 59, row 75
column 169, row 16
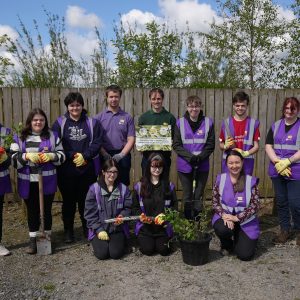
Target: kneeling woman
column 151, row 196
column 108, row 199
column 236, row 203
column 37, row 149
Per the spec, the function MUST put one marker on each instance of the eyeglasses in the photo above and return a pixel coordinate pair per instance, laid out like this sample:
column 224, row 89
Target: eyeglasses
column 194, row 106
column 156, row 168
column 112, row 172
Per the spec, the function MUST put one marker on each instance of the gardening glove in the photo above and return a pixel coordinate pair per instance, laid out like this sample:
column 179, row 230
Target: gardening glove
column 33, row 157
column 229, row 142
column 119, row 220
column 194, row 160
column 282, row 165
column 145, row 219
column 159, row 219
column 3, row 157
column 103, row 236
column 242, row 152
column 46, row 157
column 118, row 157
column 79, row 160
column 286, row 172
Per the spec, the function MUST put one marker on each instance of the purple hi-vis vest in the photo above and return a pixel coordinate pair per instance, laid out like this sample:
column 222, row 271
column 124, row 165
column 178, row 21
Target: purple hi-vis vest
column 193, row 142
column 248, row 143
column 90, row 123
column 286, row 145
column 139, row 224
column 235, row 203
column 48, row 169
column 5, row 185
column 120, row 205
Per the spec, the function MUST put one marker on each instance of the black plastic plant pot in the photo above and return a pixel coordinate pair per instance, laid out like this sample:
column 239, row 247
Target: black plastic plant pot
column 195, row 253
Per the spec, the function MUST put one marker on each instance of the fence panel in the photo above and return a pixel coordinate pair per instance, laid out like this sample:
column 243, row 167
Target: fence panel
column 266, row 105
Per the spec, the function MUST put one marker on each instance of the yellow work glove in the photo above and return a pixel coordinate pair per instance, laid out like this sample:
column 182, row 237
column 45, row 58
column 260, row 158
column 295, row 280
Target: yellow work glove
column 79, row 160
column 46, row 157
column 102, row 235
column 286, row 172
column 33, row 157
column 159, row 219
column 119, row 220
column 145, row 219
column 243, row 153
column 282, row 164
column 3, row 157
column 229, row 142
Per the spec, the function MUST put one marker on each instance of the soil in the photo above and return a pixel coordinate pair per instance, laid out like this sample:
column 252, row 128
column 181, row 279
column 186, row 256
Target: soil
column 72, row 272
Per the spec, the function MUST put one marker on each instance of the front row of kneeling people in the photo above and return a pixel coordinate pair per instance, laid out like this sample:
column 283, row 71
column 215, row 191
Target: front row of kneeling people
column 68, row 157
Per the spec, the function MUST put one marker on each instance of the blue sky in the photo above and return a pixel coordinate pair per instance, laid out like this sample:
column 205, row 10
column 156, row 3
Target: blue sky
column 82, row 15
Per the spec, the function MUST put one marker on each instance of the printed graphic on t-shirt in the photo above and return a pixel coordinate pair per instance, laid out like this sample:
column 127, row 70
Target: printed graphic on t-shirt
column 121, row 122
column 76, row 134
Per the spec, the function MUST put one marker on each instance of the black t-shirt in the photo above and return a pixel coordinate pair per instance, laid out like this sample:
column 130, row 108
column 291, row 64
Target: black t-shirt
column 270, row 135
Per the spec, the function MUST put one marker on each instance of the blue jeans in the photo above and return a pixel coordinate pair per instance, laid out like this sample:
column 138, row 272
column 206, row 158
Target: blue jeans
column 287, row 194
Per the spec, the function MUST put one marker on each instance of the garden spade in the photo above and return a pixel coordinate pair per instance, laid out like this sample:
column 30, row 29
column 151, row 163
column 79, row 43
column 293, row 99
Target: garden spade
column 43, row 241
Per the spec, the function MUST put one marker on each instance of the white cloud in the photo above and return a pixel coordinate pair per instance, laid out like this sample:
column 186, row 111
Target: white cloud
column 78, row 17
column 198, row 15
column 81, row 45
column 138, row 18
column 5, row 29
column 175, row 13
column 286, row 14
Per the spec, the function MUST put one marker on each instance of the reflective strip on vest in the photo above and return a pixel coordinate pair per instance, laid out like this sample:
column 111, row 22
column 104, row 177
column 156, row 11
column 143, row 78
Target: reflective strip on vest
column 238, row 208
column 250, row 133
column 195, row 140
column 286, row 147
column 227, row 129
column 4, row 173
column 44, row 173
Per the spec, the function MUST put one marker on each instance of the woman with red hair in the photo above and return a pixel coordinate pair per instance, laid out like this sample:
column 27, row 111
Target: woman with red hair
column 283, row 150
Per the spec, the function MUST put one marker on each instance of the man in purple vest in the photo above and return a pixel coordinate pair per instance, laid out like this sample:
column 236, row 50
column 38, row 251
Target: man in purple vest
column 5, row 185
column 194, row 142
column 240, row 132
column 119, row 132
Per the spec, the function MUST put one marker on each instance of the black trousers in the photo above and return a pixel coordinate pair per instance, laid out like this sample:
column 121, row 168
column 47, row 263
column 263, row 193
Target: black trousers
column 114, row 247
column 192, row 205
column 124, row 166
column 151, row 244
column 236, row 240
column 73, row 191
column 1, row 215
column 33, row 209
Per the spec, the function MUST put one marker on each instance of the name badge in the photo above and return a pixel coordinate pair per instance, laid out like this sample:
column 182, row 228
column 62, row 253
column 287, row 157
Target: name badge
column 45, row 149
column 239, row 199
column 200, row 132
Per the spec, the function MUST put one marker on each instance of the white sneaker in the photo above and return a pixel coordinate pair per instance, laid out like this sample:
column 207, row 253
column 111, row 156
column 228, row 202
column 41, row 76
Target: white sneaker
column 4, row 251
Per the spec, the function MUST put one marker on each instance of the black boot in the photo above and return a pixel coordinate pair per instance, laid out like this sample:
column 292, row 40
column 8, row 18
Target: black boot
column 188, row 213
column 69, row 231
column 31, row 249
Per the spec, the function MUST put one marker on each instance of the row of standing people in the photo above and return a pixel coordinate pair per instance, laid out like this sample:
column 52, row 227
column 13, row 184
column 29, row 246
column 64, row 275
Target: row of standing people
column 193, row 141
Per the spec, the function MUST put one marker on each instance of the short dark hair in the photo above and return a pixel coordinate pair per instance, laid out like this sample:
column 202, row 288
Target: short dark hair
column 157, row 90
column 27, row 130
column 193, row 99
column 74, row 97
column 240, row 97
column 109, row 163
column 113, row 88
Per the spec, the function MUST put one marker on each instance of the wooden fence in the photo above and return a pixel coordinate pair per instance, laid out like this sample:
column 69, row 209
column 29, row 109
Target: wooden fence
column 265, row 105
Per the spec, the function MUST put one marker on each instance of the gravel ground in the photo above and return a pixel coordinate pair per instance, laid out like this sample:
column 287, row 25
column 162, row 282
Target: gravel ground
column 72, row 272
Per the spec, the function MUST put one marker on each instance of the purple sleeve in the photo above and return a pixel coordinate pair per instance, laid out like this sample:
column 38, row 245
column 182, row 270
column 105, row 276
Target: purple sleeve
column 131, row 127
